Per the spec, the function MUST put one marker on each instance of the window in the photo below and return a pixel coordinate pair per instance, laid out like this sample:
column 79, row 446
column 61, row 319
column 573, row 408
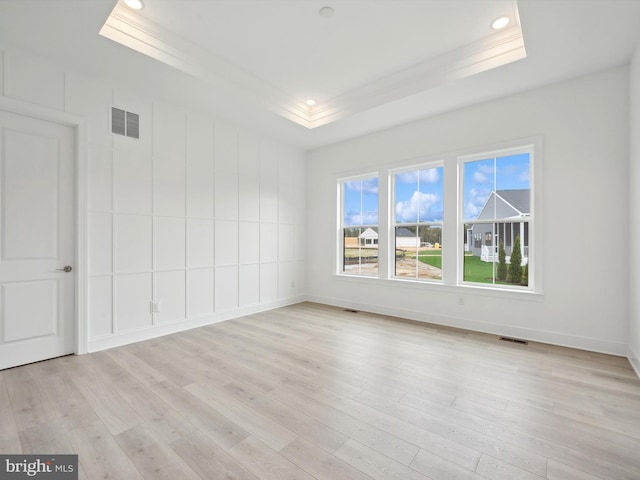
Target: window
column 418, row 212
column 453, row 220
column 497, row 215
column 360, row 226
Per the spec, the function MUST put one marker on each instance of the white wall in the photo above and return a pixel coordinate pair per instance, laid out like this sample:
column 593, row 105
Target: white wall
column 634, row 214
column 584, row 127
column 210, row 220
column 205, row 218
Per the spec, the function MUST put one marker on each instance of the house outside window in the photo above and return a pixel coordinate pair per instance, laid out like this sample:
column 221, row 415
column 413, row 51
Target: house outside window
column 497, row 212
column 418, row 213
column 359, row 200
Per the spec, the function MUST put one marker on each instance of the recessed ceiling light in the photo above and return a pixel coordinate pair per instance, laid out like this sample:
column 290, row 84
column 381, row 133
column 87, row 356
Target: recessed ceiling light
column 326, row 12
column 135, row 4
column 310, row 101
column 500, row 23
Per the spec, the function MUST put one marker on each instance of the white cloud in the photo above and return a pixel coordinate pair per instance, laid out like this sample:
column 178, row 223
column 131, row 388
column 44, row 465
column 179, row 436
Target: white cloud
column 369, row 185
column 486, row 168
column 430, row 175
column 475, row 200
column 364, row 218
column 471, row 211
column 419, row 204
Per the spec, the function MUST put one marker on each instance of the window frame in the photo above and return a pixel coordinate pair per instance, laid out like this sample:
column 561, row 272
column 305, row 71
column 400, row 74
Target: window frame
column 393, row 223
column 341, row 226
column 529, row 148
column 453, row 222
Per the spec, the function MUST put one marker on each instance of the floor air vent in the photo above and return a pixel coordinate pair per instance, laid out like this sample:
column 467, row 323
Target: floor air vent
column 514, row 340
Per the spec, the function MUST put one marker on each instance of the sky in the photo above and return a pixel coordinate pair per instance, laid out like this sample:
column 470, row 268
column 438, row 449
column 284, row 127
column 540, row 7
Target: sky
column 419, row 196
column 481, row 177
column 361, row 202
column 419, row 193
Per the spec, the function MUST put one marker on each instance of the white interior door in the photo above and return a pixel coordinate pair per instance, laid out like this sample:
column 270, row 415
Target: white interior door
column 36, row 240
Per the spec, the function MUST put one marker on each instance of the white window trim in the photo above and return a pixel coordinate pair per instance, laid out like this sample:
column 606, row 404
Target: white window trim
column 391, row 173
column 452, row 230
column 532, row 146
column 339, row 260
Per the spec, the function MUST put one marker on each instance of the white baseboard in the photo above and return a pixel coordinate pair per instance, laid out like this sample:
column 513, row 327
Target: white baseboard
column 582, row 343
column 634, row 359
column 133, row 336
column 552, row 338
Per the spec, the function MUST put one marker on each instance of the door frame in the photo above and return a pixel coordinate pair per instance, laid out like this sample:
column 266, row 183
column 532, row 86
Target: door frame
column 80, row 128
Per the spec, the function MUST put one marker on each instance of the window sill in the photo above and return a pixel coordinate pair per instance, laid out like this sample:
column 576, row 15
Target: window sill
column 440, row 287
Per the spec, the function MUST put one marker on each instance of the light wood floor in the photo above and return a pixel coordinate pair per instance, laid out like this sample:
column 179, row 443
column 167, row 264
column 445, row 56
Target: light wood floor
column 310, row 391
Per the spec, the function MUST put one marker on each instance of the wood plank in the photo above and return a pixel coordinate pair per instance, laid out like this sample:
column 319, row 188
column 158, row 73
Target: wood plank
column 265, row 359
column 387, row 444
column 265, row 462
column 249, row 419
column 30, row 404
column 105, row 400
column 235, row 371
column 320, row 464
column 208, row 460
column 498, row 470
column 434, row 466
column 299, row 423
column 9, row 438
column 559, row 471
column 45, row 438
column 613, row 446
column 454, row 451
column 222, row 430
column 144, row 373
column 375, row 464
column 160, row 357
column 99, row 454
column 154, row 460
column 458, row 433
column 72, row 408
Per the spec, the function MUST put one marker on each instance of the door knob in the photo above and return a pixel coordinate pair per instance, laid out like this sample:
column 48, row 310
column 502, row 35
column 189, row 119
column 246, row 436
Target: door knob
column 66, row 269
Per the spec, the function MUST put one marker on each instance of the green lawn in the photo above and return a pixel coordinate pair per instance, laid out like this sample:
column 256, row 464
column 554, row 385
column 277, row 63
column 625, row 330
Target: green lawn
column 475, row 270
column 431, row 257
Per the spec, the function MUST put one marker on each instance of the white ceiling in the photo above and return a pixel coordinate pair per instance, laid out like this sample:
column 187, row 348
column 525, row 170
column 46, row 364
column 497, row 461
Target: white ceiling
column 288, row 44
column 373, row 65
column 365, row 55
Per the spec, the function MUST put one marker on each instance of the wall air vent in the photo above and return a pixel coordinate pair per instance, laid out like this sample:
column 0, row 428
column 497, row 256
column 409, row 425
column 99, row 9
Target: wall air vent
column 125, row 123
column 118, row 122
column 133, row 125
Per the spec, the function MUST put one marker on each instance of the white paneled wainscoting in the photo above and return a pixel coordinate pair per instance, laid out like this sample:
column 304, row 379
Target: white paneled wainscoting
column 194, row 222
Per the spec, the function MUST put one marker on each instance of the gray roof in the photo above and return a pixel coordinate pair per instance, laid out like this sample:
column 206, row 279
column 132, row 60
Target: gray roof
column 519, row 199
column 503, row 204
column 404, row 232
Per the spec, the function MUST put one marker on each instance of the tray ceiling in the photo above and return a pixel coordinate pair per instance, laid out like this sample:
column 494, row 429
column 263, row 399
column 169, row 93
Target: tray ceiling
column 282, row 53
column 360, row 65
